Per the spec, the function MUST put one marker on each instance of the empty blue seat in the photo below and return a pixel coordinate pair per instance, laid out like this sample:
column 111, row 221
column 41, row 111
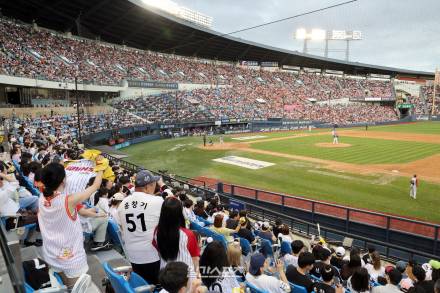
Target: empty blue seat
column 120, row 285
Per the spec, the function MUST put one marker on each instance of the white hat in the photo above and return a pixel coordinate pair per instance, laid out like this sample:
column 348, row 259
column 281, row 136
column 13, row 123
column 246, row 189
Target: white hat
column 118, row 196
column 265, row 225
column 340, row 251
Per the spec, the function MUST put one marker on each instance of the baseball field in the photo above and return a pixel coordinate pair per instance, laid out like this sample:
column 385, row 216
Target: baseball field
column 367, row 169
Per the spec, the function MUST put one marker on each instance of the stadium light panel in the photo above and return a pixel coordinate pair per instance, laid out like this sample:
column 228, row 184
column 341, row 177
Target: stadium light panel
column 318, row 34
column 301, row 34
column 166, row 5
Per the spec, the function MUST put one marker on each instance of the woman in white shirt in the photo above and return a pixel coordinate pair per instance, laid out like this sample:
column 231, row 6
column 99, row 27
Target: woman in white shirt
column 217, row 274
column 375, row 269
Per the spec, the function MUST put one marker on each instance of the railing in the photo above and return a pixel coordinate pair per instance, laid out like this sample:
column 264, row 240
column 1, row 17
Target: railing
column 200, row 188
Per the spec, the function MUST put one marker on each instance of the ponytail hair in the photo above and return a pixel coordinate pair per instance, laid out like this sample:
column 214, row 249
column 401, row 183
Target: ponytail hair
column 52, row 176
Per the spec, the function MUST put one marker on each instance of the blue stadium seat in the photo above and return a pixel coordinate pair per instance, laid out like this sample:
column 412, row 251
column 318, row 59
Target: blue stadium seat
column 113, row 232
column 28, row 288
column 266, row 248
column 297, row 289
column 195, row 226
column 207, row 223
column 120, row 285
column 285, row 248
column 209, row 233
column 254, row 289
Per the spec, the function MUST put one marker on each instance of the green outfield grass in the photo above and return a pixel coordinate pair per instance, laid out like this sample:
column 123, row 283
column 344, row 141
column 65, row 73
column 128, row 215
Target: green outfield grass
column 431, row 127
column 382, row 193
column 362, row 150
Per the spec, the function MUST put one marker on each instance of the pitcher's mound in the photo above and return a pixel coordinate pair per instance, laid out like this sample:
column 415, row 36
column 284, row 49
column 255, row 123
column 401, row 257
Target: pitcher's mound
column 330, row 145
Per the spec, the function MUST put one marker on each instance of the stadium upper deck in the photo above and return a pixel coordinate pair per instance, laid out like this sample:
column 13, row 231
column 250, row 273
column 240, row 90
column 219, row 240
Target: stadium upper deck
column 136, row 25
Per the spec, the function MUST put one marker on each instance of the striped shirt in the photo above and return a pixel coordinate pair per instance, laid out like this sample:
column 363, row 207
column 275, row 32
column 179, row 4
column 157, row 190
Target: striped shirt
column 78, row 174
column 62, row 236
column 188, row 248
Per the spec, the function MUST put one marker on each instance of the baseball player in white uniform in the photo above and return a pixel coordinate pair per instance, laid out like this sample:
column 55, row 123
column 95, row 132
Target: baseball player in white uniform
column 335, row 136
column 413, row 184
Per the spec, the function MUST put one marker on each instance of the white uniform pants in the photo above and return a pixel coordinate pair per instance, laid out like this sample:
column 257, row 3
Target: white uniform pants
column 413, row 191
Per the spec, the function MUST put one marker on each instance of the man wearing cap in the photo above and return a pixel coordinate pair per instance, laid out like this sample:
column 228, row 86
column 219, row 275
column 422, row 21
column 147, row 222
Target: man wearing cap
column 337, row 260
column 393, row 276
column 139, row 215
column 255, row 276
column 265, row 233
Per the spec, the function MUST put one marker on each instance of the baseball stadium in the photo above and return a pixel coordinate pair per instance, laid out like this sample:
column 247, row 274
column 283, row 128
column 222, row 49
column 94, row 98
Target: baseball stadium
column 149, row 147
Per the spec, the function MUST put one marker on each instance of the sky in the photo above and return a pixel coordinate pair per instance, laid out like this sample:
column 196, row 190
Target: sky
column 397, row 33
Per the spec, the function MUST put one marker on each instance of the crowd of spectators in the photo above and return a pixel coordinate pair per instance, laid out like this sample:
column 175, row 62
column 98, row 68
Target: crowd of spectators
column 75, row 191
column 241, row 102
column 427, row 93
column 36, row 52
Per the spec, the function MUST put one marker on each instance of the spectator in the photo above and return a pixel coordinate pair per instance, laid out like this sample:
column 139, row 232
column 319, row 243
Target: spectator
column 292, row 259
column 96, row 222
column 234, row 259
column 232, row 222
column 327, row 284
column 60, row 227
column 284, row 234
column 265, row 233
column 299, row 275
column 374, row 267
column 101, row 200
column 420, row 279
column 324, row 255
column 172, row 240
column 276, row 227
column 368, row 257
column 349, row 268
column 174, row 279
column 244, row 232
column 115, row 202
column 220, row 229
column 188, row 213
column 199, row 210
column 393, row 277
column 359, row 281
column 257, row 277
column 215, row 270
column 139, row 215
column 337, row 259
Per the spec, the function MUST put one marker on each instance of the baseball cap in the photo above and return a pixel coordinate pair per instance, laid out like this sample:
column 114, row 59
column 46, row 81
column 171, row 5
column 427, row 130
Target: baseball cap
column 340, row 251
column 145, row 177
column 257, row 261
column 394, row 274
column 401, row 265
column 118, row 196
column 265, row 225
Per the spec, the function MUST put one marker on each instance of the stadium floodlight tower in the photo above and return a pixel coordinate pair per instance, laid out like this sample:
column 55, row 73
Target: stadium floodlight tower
column 333, row 35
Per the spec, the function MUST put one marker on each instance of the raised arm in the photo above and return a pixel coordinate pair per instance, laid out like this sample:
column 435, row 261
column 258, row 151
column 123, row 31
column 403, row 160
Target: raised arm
column 76, row 198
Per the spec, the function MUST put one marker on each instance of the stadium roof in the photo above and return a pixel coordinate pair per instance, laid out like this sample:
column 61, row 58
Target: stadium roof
column 134, row 24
